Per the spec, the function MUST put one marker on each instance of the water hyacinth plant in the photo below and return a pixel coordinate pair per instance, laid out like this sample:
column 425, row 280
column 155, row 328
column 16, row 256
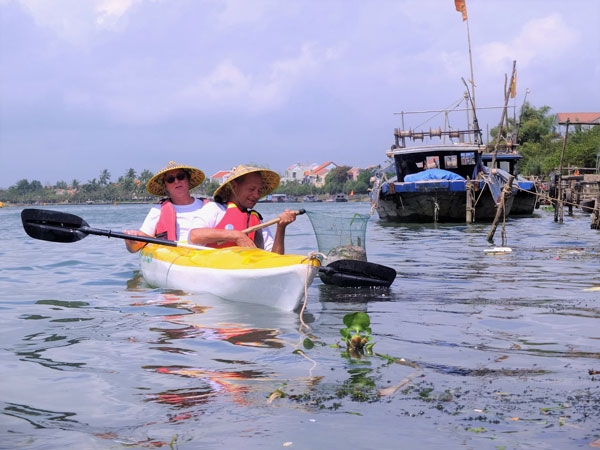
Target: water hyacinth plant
column 357, row 334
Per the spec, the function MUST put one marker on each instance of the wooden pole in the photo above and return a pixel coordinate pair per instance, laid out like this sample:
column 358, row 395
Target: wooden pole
column 500, row 211
column 472, row 80
column 559, row 200
column 503, row 115
column 596, row 213
column 470, row 209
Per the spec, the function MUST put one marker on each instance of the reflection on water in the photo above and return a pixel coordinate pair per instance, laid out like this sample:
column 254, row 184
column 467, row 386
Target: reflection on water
column 472, row 350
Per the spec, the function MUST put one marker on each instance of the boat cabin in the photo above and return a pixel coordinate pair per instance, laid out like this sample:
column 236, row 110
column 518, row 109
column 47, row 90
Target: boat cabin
column 456, row 156
column 460, row 159
column 505, row 161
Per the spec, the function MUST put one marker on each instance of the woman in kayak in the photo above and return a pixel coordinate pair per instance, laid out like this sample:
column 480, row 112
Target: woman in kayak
column 220, row 223
column 172, row 218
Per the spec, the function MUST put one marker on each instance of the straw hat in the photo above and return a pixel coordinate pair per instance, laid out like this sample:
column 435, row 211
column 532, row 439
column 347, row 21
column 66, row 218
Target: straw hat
column 270, row 181
column 156, row 184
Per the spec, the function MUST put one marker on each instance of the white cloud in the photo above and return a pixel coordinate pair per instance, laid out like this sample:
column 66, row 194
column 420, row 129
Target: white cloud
column 228, row 86
column 540, row 41
column 108, row 12
column 237, row 12
column 75, row 21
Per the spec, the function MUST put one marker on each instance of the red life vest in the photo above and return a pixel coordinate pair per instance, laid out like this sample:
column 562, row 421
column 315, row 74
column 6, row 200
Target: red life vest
column 166, row 228
column 236, row 219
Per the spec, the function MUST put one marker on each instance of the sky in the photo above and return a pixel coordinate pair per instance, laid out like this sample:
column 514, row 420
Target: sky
column 93, row 85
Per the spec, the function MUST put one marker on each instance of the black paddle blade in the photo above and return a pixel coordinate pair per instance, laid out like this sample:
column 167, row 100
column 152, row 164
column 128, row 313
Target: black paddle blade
column 53, row 226
column 354, row 273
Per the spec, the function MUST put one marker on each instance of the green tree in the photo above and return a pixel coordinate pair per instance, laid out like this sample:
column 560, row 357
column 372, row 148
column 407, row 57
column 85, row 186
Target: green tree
column 104, row 177
column 536, row 125
column 336, row 179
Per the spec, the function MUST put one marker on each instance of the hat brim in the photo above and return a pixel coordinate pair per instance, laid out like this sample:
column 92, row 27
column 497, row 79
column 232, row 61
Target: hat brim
column 270, row 179
column 155, row 185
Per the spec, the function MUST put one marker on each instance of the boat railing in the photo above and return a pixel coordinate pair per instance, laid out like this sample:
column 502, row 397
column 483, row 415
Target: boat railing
column 400, row 135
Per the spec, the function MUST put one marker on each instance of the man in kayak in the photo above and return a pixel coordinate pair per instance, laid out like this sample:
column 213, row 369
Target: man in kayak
column 220, row 223
column 172, row 218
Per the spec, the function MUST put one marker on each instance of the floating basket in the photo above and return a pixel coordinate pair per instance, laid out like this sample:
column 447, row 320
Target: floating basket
column 341, row 235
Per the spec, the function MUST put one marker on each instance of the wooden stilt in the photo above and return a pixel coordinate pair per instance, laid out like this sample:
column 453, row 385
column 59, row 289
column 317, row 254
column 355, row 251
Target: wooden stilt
column 596, row 212
column 470, row 197
column 500, row 211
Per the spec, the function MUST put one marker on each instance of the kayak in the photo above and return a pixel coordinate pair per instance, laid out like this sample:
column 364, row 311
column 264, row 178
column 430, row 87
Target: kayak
column 238, row 274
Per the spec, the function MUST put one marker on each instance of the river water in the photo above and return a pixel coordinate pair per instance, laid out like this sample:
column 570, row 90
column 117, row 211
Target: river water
column 485, row 351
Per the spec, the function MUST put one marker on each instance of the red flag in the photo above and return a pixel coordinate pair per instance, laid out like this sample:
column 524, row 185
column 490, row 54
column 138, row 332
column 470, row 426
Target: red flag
column 513, row 86
column 461, row 7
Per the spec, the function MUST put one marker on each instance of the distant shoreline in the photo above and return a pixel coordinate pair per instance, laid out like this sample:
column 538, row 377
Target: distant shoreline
column 355, row 199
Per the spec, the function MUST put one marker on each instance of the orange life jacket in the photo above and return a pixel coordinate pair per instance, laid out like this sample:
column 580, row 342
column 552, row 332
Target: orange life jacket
column 166, row 228
column 236, row 219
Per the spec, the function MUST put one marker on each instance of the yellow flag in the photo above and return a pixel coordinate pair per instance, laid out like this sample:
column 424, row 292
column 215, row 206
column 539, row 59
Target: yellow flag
column 461, row 7
column 513, row 86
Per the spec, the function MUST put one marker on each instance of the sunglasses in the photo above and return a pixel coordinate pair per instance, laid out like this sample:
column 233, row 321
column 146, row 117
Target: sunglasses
column 171, row 178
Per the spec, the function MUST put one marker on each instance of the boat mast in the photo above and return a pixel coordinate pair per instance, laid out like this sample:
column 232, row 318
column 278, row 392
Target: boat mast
column 472, row 80
column 461, row 7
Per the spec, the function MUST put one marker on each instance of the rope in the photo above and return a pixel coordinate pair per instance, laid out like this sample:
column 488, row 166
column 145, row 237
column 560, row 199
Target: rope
column 311, row 256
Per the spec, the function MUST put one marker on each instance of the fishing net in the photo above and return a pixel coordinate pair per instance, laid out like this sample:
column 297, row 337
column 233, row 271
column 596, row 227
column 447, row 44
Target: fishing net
column 340, row 235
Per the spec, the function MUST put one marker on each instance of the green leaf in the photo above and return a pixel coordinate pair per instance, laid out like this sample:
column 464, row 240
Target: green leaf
column 358, row 321
column 308, row 344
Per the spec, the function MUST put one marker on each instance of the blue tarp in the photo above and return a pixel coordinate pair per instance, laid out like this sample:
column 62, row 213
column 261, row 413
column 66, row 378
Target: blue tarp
column 432, row 174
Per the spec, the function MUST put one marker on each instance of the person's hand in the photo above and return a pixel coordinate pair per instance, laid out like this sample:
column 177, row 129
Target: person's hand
column 242, row 239
column 286, row 217
column 134, row 246
column 133, row 233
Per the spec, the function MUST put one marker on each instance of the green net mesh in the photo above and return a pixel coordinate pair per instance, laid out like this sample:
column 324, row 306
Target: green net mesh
column 340, row 235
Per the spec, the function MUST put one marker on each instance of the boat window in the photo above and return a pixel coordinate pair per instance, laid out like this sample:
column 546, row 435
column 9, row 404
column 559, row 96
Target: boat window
column 433, row 162
column 450, row 162
column 467, row 158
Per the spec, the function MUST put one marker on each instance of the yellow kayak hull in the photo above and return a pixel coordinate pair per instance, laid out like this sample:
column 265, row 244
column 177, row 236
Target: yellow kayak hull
column 247, row 275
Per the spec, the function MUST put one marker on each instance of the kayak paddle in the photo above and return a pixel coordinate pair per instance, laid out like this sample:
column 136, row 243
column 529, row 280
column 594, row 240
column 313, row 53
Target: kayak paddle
column 57, row 226
column 355, row 273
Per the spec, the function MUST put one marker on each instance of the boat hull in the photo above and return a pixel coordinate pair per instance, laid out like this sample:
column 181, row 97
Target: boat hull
column 442, row 201
column 235, row 274
column 526, row 199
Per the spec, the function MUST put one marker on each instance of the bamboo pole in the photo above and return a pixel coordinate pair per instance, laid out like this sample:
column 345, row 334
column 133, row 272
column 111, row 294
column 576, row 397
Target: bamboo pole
column 596, row 213
column 503, row 115
column 501, row 207
column 559, row 212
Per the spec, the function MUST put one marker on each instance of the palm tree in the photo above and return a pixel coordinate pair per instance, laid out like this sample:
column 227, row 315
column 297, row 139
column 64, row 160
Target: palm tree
column 104, row 177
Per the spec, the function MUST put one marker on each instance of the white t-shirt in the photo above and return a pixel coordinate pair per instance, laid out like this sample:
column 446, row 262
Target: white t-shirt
column 211, row 215
column 185, row 216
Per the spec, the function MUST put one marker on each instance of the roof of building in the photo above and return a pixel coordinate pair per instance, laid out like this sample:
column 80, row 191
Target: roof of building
column 582, row 118
column 221, row 174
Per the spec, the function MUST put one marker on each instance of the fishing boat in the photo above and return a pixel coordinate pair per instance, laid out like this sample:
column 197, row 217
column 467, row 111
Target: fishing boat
column 527, row 196
column 445, row 182
column 247, row 275
column 310, row 198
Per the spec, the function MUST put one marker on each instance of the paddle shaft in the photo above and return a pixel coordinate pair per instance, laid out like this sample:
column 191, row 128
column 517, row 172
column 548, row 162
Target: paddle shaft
column 268, row 223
